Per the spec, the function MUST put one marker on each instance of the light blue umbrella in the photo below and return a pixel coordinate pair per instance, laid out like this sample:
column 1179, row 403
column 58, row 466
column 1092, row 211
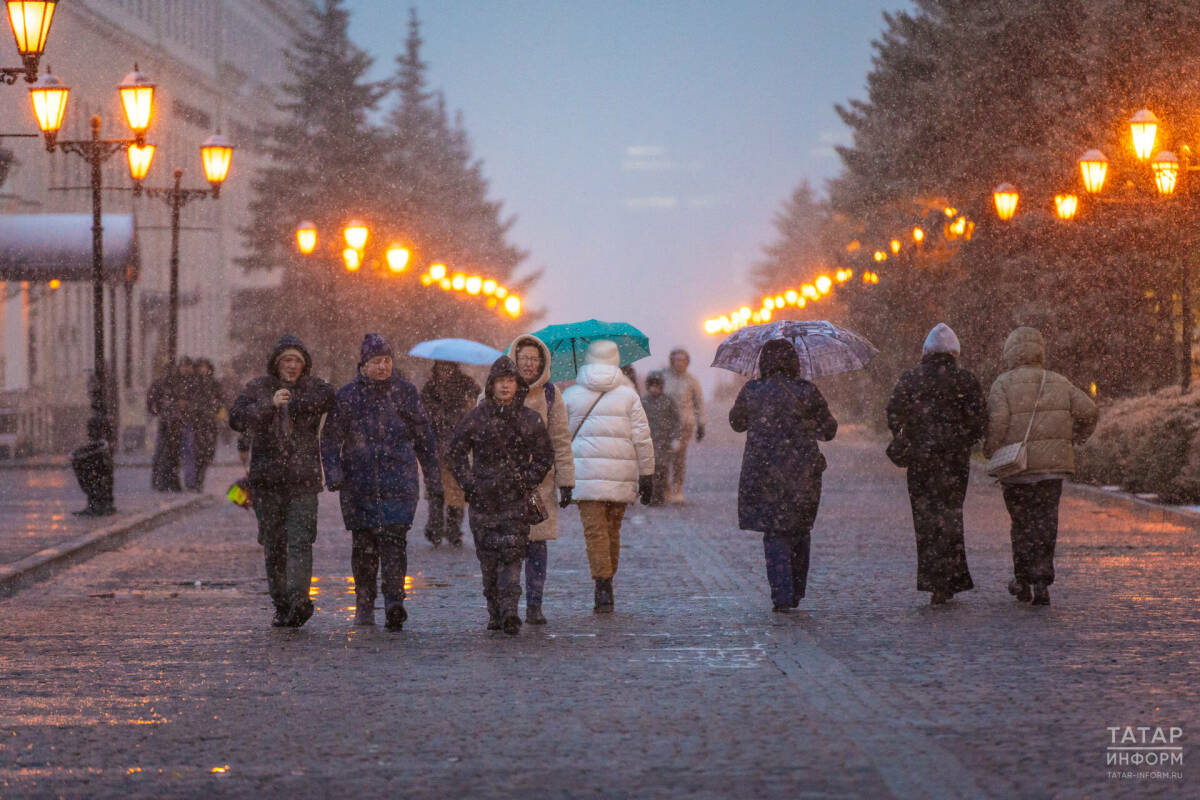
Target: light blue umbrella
column 568, row 344
column 462, row 351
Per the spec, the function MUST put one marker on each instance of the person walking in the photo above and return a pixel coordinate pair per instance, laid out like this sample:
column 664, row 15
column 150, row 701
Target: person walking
column 204, row 403
column 664, row 430
column 1043, row 409
column 500, row 453
column 163, row 400
column 684, row 389
column 447, row 396
column 281, row 412
column 779, row 489
column 614, row 459
column 936, row 415
column 532, row 358
column 370, row 446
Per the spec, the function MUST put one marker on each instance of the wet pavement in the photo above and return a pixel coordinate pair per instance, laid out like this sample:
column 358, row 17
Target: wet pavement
column 152, row 671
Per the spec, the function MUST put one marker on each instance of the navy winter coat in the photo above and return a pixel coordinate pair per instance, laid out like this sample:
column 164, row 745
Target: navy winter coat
column 284, row 453
column 781, row 465
column 371, row 445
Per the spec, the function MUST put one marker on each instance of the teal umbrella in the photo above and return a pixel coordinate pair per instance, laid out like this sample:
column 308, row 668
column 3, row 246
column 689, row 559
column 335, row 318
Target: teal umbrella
column 568, row 344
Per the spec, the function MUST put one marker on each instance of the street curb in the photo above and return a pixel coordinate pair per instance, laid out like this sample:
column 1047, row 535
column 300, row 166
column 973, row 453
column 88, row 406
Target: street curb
column 44, row 563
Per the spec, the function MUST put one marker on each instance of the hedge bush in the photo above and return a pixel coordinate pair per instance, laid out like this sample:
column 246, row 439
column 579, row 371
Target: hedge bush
column 1147, row 444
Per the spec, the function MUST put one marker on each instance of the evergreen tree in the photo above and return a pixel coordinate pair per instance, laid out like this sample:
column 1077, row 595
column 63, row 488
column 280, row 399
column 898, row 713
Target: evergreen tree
column 799, row 253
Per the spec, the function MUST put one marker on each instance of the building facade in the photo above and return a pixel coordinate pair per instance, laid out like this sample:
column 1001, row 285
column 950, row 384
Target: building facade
column 216, row 64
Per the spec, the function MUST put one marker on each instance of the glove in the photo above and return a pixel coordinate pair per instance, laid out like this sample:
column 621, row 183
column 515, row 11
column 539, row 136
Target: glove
column 699, row 433
column 334, row 486
column 645, row 488
column 564, row 496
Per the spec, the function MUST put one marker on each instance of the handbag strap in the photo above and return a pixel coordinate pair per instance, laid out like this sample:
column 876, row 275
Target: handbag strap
column 588, row 414
column 1033, row 413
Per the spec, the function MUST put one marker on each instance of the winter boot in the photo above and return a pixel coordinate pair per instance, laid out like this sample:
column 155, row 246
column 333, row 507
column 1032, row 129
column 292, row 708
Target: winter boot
column 1019, row 590
column 939, row 598
column 282, row 613
column 511, row 624
column 396, row 615
column 301, row 613
column 493, row 616
column 364, row 614
column 604, row 596
column 454, row 520
column 436, row 523
column 533, row 614
column 1041, row 595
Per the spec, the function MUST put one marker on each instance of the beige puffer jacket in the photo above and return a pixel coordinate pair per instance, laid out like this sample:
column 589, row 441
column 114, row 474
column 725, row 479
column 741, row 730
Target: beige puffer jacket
column 555, row 418
column 1066, row 416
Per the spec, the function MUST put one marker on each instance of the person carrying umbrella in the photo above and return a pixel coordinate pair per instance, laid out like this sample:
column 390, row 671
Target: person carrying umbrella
column 614, row 458
column 936, row 414
column 500, row 452
column 447, row 396
column 372, row 442
column 533, row 365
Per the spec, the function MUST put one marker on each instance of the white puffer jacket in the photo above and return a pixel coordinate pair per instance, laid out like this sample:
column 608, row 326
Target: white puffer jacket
column 612, row 447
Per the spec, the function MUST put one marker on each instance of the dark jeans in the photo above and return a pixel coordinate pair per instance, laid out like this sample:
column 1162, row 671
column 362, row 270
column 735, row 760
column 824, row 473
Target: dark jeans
column 662, row 458
column 536, row 562
column 936, row 491
column 287, row 528
column 787, row 565
column 501, row 549
column 164, row 473
column 199, row 444
column 1034, row 511
column 372, row 549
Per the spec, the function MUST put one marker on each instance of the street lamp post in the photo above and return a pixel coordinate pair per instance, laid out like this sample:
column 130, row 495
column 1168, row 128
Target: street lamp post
column 30, row 23
column 216, row 156
column 49, row 99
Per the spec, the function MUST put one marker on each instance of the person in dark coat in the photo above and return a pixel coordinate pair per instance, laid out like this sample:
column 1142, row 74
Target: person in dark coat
column 370, row 446
column 780, row 487
column 447, row 395
column 281, row 412
column 163, row 401
column 665, row 430
column 936, row 414
column 501, row 451
column 204, row 401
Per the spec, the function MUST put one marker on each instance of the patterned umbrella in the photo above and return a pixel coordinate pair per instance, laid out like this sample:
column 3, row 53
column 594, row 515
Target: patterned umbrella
column 568, row 344
column 823, row 348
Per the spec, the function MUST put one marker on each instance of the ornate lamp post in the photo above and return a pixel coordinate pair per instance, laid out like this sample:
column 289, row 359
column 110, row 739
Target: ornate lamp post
column 216, row 155
column 30, row 22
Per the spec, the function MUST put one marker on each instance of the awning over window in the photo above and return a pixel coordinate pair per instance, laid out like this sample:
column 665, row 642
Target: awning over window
column 42, row 247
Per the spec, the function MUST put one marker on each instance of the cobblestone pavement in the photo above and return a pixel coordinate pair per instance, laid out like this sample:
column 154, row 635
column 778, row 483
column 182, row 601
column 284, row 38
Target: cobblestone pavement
column 151, row 671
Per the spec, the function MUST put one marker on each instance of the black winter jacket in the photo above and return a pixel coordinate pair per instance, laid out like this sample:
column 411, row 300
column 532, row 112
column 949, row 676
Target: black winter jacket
column 285, row 454
column 939, row 408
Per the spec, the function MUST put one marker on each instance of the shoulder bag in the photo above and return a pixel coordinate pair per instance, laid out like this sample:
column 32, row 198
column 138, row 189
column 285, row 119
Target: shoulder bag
column 1013, row 459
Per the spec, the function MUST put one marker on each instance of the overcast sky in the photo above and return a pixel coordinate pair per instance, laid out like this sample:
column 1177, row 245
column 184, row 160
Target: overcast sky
column 644, row 147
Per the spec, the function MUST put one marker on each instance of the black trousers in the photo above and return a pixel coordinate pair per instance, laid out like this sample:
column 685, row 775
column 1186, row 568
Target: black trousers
column 1034, row 511
column 787, row 565
column 937, row 489
column 501, row 548
column 371, row 549
column 164, row 473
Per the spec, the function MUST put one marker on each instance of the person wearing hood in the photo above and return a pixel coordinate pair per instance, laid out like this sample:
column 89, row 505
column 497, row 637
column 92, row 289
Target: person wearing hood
column 500, row 453
column 200, row 433
column 164, row 400
column 1043, row 409
column 370, row 446
column 936, row 415
column 532, row 358
column 281, row 413
column 684, row 389
column 447, row 396
column 614, row 458
column 779, row 490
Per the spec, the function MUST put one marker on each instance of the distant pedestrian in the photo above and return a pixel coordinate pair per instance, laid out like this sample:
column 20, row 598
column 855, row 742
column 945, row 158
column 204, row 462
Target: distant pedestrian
column 629, row 372
column 532, row 358
column 163, row 400
column 281, row 412
column 664, row 430
column 202, row 405
column 614, row 459
column 501, row 452
column 370, row 446
column 936, row 414
column 1042, row 408
column 779, row 490
column 447, row 396
column 682, row 387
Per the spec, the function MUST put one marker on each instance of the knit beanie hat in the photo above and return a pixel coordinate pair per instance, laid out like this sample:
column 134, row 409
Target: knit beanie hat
column 373, row 345
column 941, row 340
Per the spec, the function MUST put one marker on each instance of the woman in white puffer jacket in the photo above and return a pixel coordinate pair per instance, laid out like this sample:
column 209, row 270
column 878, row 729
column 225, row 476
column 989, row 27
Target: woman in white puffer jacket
column 614, row 458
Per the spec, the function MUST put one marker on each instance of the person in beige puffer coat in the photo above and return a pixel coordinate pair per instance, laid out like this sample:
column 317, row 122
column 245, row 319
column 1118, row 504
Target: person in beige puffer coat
column 532, row 358
column 1065, row 417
